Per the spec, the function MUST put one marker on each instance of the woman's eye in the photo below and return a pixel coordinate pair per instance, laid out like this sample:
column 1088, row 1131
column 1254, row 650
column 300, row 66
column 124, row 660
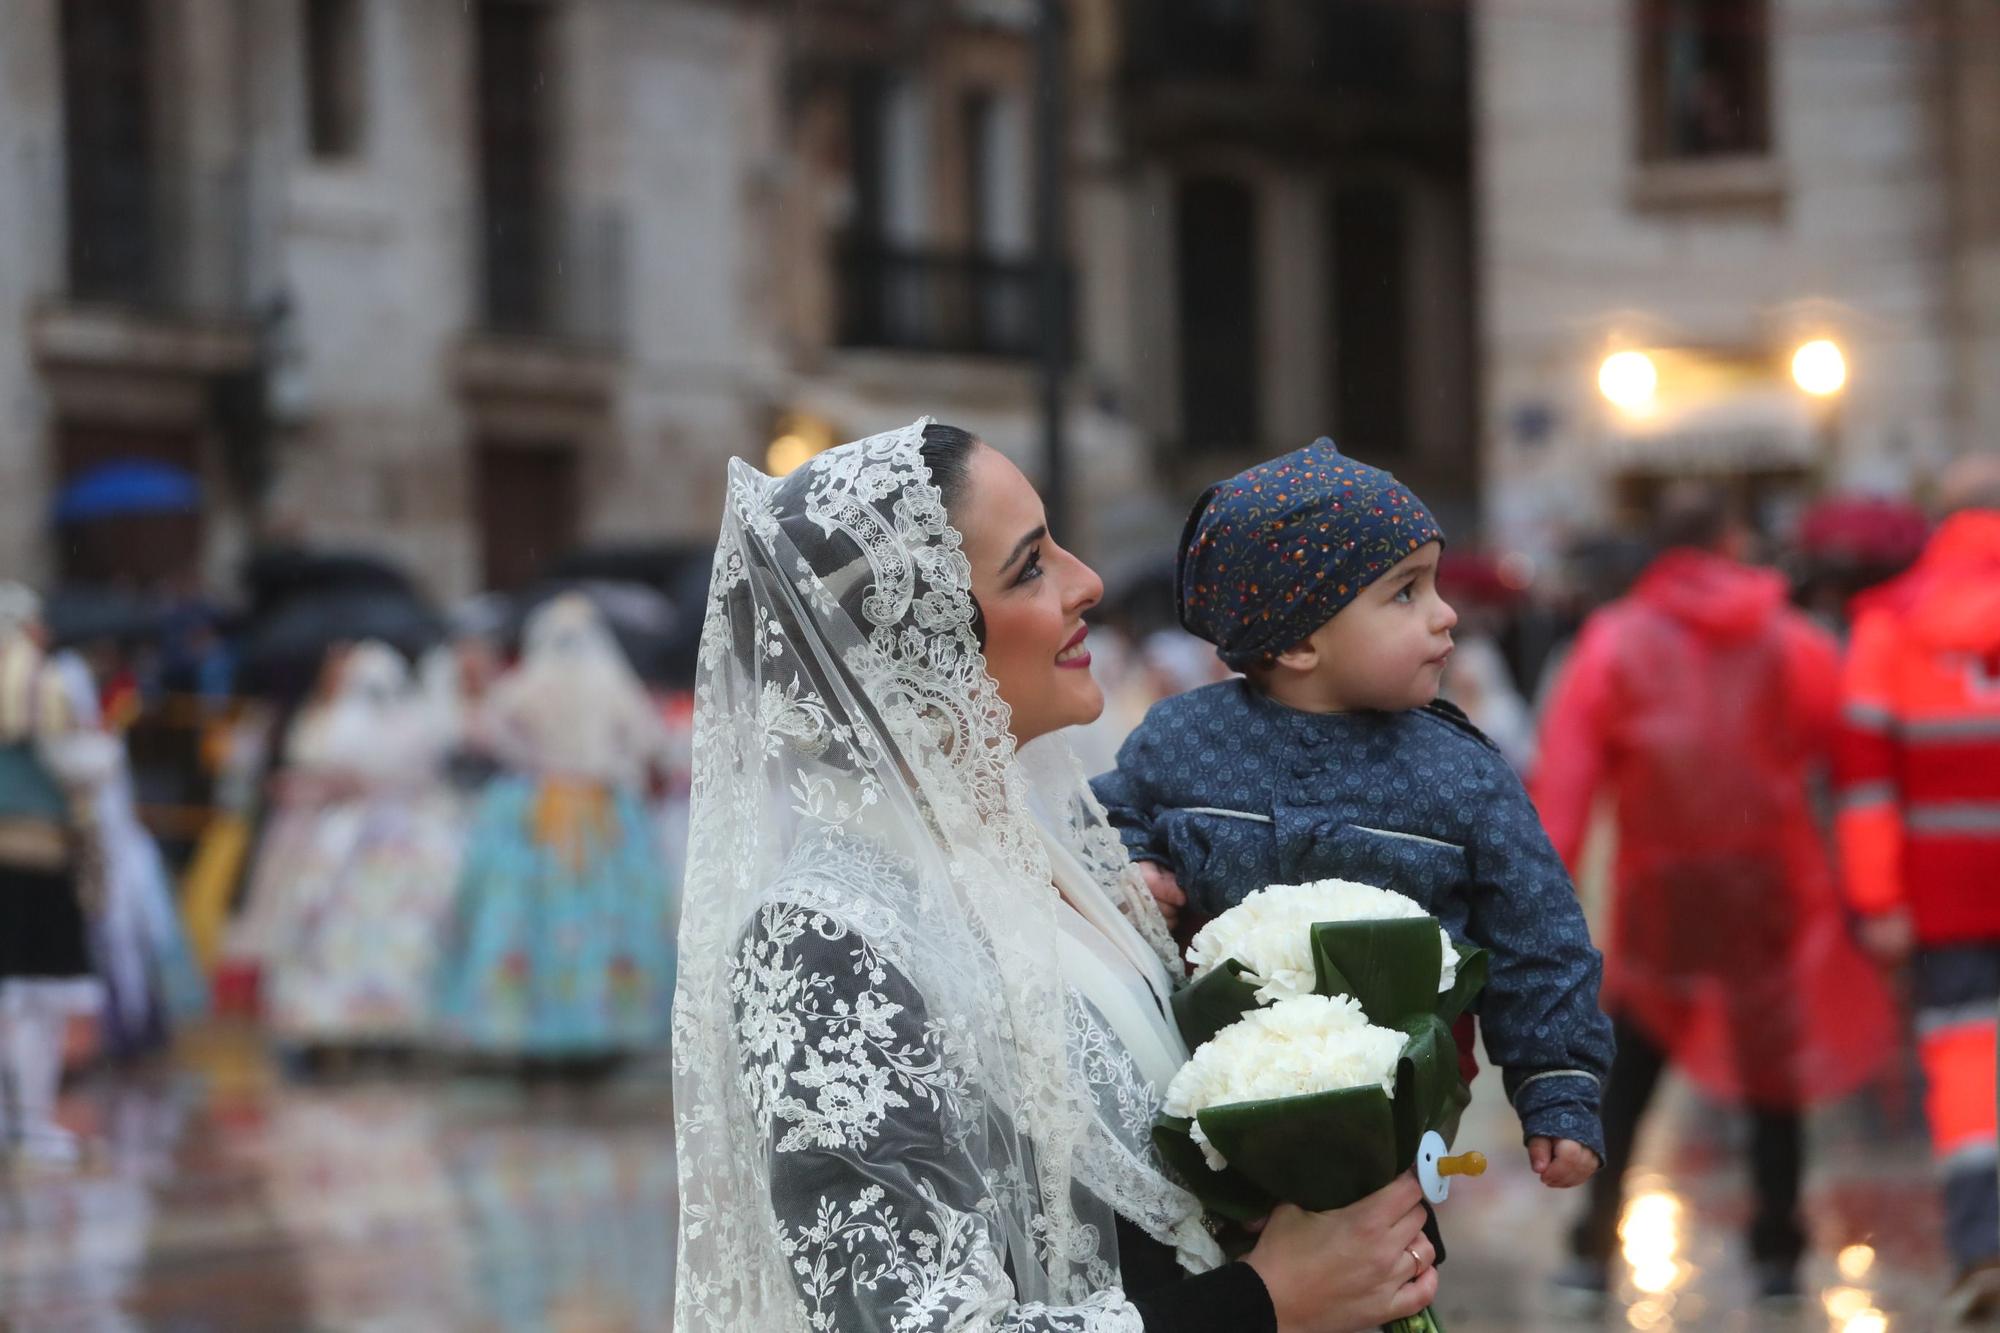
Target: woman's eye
column 1032, row 570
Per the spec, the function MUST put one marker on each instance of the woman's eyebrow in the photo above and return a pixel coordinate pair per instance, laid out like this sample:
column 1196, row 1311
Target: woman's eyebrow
column 1021, row 547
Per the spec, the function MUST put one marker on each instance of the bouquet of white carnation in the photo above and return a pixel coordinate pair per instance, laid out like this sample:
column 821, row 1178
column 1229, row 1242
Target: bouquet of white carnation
column 1299, row 1046
column 1269, row 934
column 1329, row 937
column 1320, row 1020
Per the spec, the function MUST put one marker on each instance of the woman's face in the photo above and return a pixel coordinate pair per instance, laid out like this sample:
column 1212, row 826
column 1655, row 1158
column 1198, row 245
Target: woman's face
column 1033, row 595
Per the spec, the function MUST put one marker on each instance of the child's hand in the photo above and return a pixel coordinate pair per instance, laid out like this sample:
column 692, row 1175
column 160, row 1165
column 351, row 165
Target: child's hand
column 1561, row 1163
column 1166, row 891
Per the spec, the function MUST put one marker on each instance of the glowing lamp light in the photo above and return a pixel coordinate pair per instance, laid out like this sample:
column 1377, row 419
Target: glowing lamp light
column 1819, row 368
column 1629, row 380
column 1855, row 1261
column 787, row 454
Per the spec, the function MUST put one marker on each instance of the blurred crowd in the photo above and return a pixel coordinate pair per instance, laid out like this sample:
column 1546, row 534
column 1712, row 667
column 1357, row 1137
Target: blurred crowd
column 376, row 830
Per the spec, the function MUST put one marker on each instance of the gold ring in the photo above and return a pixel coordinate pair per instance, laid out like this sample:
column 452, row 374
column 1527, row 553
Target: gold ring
column 1411, row 1251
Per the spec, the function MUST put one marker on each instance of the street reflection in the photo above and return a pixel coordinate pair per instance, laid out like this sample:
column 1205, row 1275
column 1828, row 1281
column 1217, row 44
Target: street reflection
column 225, row 1193
column 1855, row 1261
column 1650, row 1238
column 226, row 1197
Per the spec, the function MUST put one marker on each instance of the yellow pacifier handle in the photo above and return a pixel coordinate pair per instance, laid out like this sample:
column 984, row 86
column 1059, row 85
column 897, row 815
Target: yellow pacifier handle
column 1465, row 1164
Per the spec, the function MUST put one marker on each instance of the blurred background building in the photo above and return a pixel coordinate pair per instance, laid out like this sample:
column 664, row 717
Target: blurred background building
column 1746, row 238
column 474, row 284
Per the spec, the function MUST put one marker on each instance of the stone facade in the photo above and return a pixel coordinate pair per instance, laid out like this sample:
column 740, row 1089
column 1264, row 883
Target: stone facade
column 1842, row 228
column 695, row 185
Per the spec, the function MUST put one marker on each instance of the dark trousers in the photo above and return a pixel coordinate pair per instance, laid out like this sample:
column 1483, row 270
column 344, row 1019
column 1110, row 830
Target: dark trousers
column 1777, row 1160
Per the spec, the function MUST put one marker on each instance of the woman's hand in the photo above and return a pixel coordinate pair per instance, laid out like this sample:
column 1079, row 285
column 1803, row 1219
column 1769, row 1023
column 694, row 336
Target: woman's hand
column 1352, row 1269
column 1166, row 890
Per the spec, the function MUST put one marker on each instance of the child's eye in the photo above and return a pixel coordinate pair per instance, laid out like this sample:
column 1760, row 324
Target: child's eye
column 1407, row 593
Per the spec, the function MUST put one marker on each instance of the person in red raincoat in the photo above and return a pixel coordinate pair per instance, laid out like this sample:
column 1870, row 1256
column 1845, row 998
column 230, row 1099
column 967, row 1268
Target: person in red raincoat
column 1701, row 703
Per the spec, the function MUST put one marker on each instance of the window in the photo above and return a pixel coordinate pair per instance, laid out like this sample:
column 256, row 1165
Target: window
column 1216, row 255
column 1370, row 308
column 1203, row 38
column 528, row 496
column 998, row 190
column 512, row 85
column 890, row 155
column 1705, row 79
column 107, row 83
column 1367, row 47
column 333, row 77
column 904, row 283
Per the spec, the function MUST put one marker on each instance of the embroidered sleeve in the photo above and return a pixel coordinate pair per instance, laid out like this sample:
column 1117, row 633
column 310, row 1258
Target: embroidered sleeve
column 883, row 1221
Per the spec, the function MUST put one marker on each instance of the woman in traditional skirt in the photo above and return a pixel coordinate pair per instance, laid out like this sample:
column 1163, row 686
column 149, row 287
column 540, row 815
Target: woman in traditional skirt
column 48, row 877
column 150, row 977
column 560, row 944
column 353, row 896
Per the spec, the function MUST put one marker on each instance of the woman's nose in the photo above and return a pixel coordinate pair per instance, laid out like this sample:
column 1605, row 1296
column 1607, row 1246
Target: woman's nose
column 1088, row 590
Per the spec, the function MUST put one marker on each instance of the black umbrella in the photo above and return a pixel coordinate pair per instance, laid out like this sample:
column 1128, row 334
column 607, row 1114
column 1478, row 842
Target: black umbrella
column 281, row 651
column 278, row 575
column 80, row 613
column 660, row 565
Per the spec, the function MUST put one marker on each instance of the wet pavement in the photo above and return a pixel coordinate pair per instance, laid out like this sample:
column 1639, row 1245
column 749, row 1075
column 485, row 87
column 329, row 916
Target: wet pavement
column 223, row 1194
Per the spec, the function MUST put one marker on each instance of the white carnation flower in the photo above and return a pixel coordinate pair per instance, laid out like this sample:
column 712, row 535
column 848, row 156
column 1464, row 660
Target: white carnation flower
column 1295, row 1047
column 1270, row 933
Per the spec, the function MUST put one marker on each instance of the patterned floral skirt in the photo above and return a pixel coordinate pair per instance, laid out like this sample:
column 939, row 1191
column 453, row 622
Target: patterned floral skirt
column 560, row 942
column 358, row 892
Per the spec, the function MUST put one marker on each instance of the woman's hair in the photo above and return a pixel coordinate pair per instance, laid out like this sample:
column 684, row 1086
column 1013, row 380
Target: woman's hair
column 947, row 453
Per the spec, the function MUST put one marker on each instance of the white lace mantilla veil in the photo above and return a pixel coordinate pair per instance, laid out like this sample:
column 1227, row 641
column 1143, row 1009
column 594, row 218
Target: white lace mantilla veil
column 891, row 1110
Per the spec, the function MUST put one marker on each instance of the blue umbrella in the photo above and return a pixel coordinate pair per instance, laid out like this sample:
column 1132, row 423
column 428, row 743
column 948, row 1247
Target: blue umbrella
column 128, row 487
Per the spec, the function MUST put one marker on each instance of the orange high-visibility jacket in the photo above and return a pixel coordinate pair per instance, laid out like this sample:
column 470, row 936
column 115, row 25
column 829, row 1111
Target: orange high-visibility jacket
column 1919, row 756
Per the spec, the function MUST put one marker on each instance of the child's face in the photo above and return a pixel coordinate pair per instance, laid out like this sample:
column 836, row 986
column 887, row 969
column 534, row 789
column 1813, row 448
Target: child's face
column 1386, row 649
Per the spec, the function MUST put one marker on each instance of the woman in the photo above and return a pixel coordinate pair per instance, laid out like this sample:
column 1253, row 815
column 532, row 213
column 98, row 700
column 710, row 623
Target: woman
column 921, row 1031
column 560, row 946
column 350, row 931
column 149, row 977
column 49, row 876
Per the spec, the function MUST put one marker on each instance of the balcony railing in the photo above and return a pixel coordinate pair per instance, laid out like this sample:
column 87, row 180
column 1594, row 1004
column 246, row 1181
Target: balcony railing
column 913, row 300
column 163, row 243
column 552, row 275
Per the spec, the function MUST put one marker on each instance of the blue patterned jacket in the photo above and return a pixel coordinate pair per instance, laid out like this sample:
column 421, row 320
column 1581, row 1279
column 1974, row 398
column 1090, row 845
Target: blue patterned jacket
column 1233, row 791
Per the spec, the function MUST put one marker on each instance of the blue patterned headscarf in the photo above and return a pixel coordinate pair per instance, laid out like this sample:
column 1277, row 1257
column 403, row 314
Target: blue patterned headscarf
column 1273, row 553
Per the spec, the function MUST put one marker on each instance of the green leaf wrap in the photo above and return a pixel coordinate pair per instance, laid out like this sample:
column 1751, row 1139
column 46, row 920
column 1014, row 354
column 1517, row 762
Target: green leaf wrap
column 1211, row 1004
column 1390, row 967
column 1471, row 980
column 1321, row 1151
column 1225, row 1193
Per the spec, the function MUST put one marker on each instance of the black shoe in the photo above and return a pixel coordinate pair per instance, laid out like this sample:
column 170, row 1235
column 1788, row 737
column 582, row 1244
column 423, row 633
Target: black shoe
column 1776, row 1280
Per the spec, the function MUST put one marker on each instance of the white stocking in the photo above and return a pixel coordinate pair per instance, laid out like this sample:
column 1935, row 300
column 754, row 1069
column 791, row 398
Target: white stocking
column 36, row 1016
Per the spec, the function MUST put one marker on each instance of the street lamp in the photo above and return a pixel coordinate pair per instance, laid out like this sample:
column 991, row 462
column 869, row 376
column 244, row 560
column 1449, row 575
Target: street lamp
column 1629, row 380
column 1819, row 368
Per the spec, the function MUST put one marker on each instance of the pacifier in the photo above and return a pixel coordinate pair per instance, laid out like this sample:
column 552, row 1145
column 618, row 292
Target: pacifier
column 1435, row 1168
